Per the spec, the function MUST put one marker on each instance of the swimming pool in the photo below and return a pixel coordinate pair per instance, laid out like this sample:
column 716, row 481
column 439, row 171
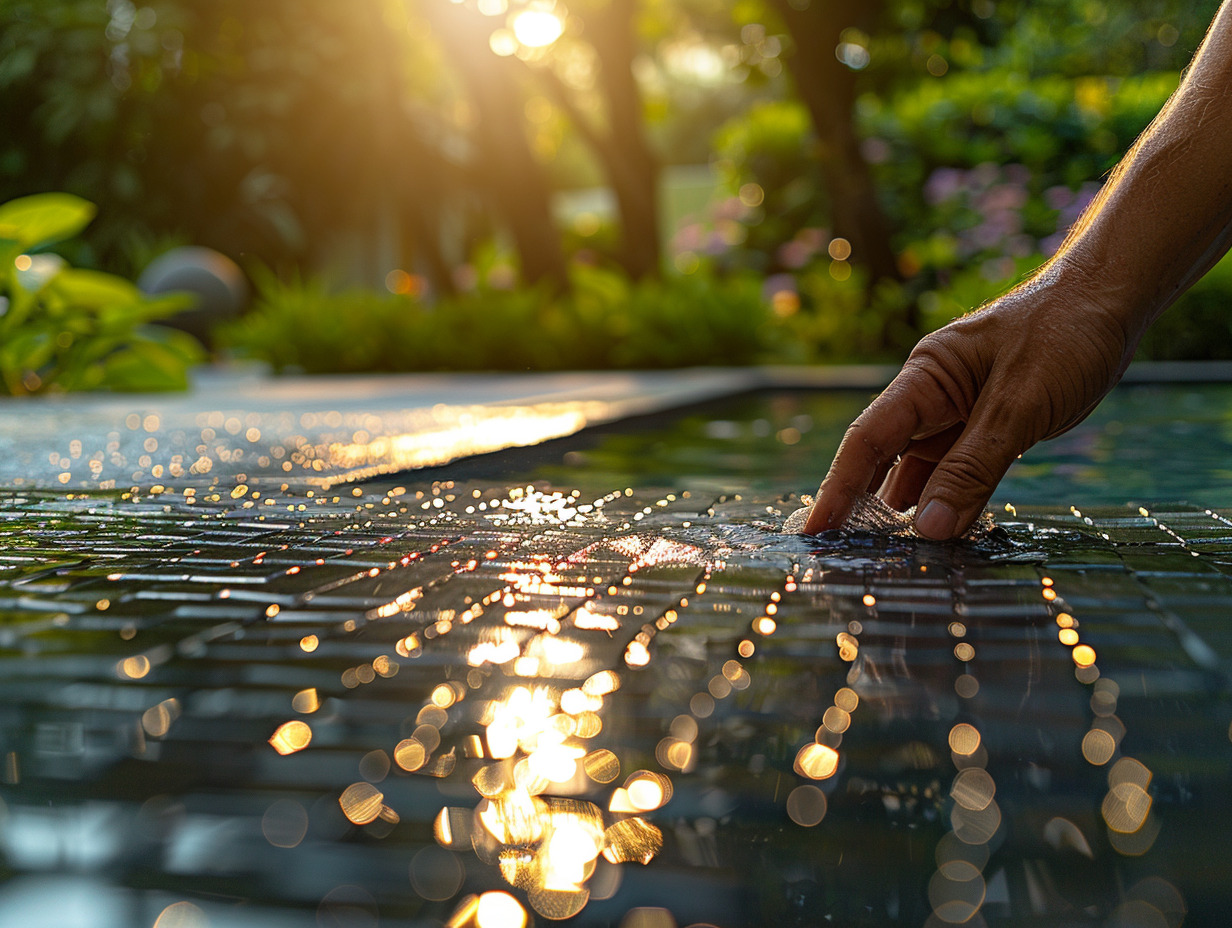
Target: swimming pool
column 594, row 683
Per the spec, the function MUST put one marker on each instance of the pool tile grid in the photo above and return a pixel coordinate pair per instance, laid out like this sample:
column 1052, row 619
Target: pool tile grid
column 213, row 606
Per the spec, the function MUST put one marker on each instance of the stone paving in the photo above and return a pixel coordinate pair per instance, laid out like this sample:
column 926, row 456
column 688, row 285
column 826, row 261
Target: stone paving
column 321, row 431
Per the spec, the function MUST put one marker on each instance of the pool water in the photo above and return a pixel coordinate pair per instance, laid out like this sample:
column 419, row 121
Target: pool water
column 596, row 685
column 1143, row 443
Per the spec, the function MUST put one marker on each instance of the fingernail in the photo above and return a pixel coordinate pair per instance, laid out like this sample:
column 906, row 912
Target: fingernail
column 937, row 521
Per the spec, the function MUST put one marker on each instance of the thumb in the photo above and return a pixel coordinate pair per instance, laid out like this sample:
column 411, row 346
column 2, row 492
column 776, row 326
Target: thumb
column 965, row 479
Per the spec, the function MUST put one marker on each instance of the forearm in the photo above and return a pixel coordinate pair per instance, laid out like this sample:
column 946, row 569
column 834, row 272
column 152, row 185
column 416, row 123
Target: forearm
column 1165, row 216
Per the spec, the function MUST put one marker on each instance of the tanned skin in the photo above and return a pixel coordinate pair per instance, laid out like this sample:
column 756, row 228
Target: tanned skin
column 1033, row 363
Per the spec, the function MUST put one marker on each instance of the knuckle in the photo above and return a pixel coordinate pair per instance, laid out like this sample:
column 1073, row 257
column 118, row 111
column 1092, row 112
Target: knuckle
column 964, row 471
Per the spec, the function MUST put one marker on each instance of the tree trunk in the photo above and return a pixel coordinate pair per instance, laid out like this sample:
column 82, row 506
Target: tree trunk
column 631, row 167
column 513, row 178
column 827, row 88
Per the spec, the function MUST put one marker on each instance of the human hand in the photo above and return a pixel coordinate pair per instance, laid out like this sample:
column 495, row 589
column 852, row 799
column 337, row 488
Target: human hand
column 971, row 398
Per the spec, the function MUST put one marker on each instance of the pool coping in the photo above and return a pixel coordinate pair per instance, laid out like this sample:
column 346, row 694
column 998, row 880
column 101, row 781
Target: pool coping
column 408, row 422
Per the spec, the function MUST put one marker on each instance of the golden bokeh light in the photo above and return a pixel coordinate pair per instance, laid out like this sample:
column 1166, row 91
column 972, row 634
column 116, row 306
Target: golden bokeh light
column 1129, row 770
column 453, row 827
column 1138, row 842
column 1125, row 807
column 374, row 766
column 702, row 706
column 558, row 904
column 816, row 761
column 156, row 721
column 601, row 765
column 133, row 668
column 973, row 789
column 443, row 696
column 960, row 861
column 632, row 839
column 637, row 654
column 836, row 720
column 955, row 902
column 847, row 699
column 290, row 737
column 964, row 739
column 536, row 28
column 1084, row 655
column 764, row 625
column 975, row 827
column 181, row 915
column 306, row 701
column 361, row 803
column 1098, row 746
column 601, row 683
column 497, row 909
column 648, row 790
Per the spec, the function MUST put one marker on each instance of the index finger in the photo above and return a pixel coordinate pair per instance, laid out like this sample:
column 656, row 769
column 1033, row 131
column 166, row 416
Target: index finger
column 874, row 440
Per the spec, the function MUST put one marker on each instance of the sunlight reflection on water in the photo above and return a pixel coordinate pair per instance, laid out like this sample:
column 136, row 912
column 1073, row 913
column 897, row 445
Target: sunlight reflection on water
column 530, row 700
column 475, row 702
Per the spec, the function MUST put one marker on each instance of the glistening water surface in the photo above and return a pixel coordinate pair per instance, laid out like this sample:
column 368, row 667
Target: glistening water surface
column 1144, row 443
column 517, row 698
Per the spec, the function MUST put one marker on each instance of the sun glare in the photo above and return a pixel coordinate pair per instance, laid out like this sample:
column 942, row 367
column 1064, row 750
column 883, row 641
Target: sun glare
column 536, row 28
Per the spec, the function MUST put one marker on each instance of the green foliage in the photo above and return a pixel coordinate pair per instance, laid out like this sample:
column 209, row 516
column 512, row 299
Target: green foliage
column 1199, row 326
column 64, row 328
column 767, row 160
column 605, row 321
column 248, row 127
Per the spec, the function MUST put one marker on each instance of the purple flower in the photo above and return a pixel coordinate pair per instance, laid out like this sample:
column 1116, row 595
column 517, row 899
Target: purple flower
column 1058, row 197
column 778, row 283
column 943, row 184
column 1002, row 197
column 795, row 254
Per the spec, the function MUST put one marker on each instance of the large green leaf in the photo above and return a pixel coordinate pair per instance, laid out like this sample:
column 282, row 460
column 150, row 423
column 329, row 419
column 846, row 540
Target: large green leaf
column 149, row 366
column 29, row 350
column 43, row 218
column 94, row 290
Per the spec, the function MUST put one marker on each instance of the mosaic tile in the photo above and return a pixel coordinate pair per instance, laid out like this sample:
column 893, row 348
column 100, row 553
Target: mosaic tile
column 376, row 704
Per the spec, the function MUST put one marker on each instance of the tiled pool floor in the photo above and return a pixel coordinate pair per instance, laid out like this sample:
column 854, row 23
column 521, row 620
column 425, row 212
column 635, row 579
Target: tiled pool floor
column 644, row 708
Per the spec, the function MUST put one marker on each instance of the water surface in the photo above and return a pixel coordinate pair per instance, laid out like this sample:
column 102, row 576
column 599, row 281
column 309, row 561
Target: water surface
column 603, row 689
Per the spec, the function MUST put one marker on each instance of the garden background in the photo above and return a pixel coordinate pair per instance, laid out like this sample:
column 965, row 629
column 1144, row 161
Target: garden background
column 418, row 185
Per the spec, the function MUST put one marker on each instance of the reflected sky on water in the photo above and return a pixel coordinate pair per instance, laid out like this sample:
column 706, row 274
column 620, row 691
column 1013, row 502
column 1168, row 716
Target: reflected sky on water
column 479, row 703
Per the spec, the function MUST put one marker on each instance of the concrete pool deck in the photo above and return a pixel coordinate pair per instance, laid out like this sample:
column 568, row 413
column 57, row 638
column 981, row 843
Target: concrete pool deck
column 245, row 426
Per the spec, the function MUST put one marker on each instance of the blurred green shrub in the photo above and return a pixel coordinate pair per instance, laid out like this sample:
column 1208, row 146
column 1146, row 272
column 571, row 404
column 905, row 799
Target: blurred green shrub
column 64, row 328
column 605, row 321
column 767, row 165
column 1199, row 326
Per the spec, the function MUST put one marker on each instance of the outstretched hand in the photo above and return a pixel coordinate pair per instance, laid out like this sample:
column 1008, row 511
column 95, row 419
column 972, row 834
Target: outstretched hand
column 971, row 398
column 979, row 392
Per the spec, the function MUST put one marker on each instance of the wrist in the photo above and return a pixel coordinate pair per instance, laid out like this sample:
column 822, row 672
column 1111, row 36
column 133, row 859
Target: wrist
column 1103, row 293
